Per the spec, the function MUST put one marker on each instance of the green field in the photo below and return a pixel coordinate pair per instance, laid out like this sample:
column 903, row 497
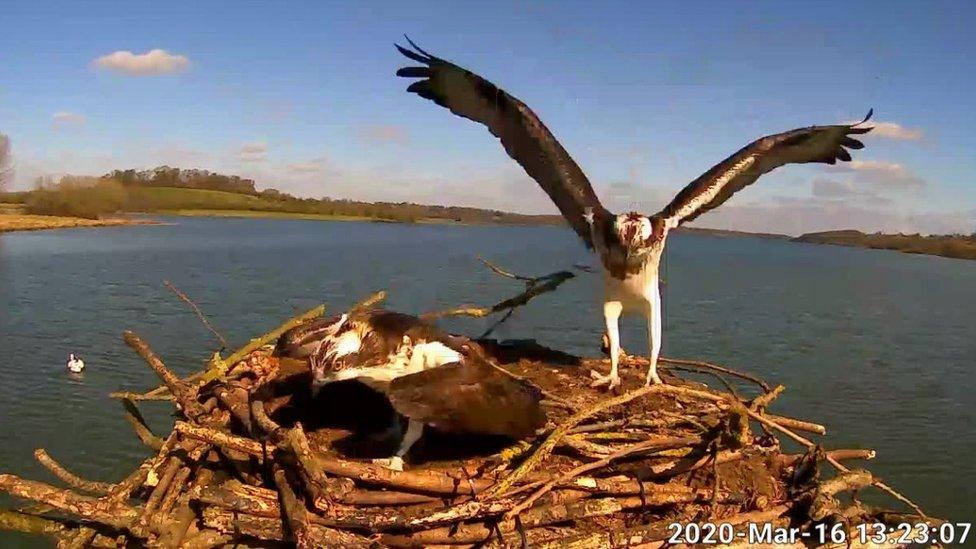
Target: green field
column 173, row 198
column 191, row 212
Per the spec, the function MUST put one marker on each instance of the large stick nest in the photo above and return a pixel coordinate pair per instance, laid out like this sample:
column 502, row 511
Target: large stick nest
column 254, row 460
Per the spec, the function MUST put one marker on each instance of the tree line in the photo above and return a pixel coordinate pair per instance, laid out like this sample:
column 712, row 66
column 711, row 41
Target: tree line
column 166, row 189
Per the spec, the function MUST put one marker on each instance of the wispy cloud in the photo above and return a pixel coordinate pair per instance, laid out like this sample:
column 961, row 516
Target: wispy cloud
column 62, row 119
column 152, row 63
column 305, row 167
column 795, row 215
column 892, row 130
column 831, row 189
column 887, row 174
column 176, row 153
column 383, row 134
column 253, row 152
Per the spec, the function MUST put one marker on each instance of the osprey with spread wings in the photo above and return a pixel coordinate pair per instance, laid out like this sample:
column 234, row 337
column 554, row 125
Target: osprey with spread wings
column 629, row 245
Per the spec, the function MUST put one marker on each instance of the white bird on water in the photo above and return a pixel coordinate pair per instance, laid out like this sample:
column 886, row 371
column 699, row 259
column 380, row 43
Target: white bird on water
column 75, row 364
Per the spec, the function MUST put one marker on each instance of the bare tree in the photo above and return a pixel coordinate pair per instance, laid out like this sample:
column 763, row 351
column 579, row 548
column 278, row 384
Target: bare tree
column 6, row 165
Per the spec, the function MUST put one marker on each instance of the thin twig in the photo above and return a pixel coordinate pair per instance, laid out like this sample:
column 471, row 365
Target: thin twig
column 640, row 447
column 199, row 313
column 837, row 464
column 550, row 443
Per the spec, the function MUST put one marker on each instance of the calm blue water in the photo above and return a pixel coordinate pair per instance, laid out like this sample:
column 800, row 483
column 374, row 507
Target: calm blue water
column 880, row 346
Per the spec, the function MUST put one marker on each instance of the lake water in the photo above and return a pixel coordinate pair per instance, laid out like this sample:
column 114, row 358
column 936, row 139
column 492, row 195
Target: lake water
column 879, row 346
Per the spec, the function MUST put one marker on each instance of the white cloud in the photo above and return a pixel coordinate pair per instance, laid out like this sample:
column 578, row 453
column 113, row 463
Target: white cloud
column 887, row 174
column 831, row 189
column 795, row 216
column 892, row 130
column 253, row 152
column 305, row 167
column 61, row 119
column 383, row 134
column 152, row 63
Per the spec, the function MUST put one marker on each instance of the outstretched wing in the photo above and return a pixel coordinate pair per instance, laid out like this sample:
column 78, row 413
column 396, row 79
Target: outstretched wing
column 824, row 144
column 525, row 138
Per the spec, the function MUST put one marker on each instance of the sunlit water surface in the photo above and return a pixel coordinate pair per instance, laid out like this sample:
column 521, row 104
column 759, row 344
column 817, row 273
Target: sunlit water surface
column 879, row 346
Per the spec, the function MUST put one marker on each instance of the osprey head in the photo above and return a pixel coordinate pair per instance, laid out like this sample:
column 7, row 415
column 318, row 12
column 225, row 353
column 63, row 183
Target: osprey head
column 637, row 231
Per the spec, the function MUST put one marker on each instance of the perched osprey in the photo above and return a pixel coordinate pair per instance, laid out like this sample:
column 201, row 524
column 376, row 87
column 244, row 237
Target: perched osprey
column 629, row 245
column 430, row 377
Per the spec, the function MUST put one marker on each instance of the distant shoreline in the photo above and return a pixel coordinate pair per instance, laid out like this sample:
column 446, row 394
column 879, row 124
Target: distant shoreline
column 24, row 222
column 13, row 219
column 265, row 214
column 955, row 247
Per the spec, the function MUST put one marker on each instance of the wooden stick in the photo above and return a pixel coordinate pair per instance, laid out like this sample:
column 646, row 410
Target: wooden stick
column 549, row 444
column 797, row 424
column 293, row 441
column 552, row 281
column 293, row 510
column 199, row 313
column 641, row 447
column 135, row 397
column 837, row 455
column 174, row 530
column 30, row 524
column 721, row 369
column 138, row 423
column 368, row 303
column 271, row 529
column 426, row 482
column 124, row 489
column 185, row 397
column 647, row 535
column 247, row 349
column 68, row 477
column 79, row 539
column 103, row 511
column 207, row 539
column 837, row 464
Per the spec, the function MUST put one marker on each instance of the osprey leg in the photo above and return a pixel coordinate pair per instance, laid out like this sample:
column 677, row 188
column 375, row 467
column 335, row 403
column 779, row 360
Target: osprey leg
column 611, row 313
column 653, row 333
column 414, row 431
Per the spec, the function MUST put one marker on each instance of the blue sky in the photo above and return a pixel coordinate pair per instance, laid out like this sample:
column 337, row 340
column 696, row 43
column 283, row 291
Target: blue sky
column 646, row 96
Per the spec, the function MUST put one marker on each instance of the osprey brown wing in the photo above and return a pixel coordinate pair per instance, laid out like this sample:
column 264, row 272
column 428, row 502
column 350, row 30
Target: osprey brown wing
column 823, row 144
column 525, row 138
column 468, row 397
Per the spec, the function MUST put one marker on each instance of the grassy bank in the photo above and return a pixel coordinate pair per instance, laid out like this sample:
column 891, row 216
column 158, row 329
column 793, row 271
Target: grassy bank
column 25, row 222
column 263, row 214
column 955, row 246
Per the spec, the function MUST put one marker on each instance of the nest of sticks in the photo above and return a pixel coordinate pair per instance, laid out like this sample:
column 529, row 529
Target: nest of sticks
column 253, row 460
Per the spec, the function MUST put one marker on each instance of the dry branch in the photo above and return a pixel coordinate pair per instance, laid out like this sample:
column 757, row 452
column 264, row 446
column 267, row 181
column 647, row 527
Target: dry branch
column 30, row 524
column 138, row 423
column 642, row 447
column 534, row 287
column 199, row 313
column 102, row 511
column 217, row 370
column 68, row 477
column 547, row 446
column 184, row 396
